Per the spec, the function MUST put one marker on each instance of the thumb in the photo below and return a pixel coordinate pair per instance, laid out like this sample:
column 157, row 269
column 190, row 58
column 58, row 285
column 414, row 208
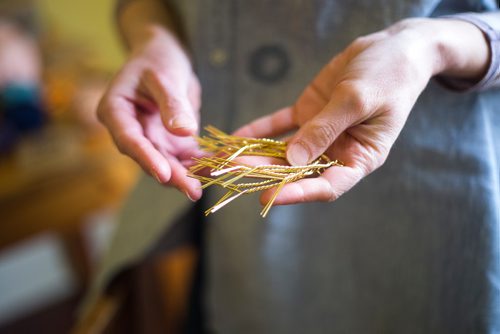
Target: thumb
column 176, row 111
column 319, row 133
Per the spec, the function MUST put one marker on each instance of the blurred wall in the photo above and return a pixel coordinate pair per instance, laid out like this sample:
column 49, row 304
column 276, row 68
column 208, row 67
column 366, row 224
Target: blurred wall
column 90, row 22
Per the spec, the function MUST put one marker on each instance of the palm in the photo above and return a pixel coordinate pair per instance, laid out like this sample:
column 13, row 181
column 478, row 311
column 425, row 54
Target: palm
column 183, row 148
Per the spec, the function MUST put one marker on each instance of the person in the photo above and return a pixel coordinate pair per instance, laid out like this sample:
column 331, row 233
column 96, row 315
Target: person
column 21, row 107
column 405, row 237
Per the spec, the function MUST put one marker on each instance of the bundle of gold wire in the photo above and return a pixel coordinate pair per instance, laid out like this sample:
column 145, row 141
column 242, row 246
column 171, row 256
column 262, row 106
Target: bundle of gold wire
column 239, row 178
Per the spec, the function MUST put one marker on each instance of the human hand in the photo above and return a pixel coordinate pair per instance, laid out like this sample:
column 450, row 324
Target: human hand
column 355, row 108
column 151, row 109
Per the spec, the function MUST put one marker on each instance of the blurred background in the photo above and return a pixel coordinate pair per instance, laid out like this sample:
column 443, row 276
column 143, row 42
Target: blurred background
column 61, row 179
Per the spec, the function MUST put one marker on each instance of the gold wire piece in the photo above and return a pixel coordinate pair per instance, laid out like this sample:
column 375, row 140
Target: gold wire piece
column 239, row 178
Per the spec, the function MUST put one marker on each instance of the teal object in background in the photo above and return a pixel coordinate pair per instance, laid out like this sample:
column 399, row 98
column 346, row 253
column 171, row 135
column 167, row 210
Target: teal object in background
column 21, row 110
column 21, row 106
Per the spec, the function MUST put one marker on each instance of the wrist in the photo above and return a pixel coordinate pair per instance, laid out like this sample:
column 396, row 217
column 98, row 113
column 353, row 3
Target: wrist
column 151, row 33
column 460, row 47
column 451, row 47
column 142, row 21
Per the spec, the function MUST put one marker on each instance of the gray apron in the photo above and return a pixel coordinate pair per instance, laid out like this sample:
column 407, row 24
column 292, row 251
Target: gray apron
column 413, row 248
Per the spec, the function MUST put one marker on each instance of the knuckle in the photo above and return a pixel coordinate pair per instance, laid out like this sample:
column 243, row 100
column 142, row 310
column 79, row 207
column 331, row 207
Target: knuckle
column 150, row 74
column 354, row 95
column 252, row 128
column 391, row 105
column 159, row 79
column 330, row 194
column 297, row 112
column 333, row 196
column 119, row 144
column 322, row 132
column 171, row 99
column 172, row 103
column 380, row 159
column 360, row 41
column 120, row 148
column 103, row 108
column 356, row 45
column 137, row 145
column 125, row 141
column 121, row 141
column 373, row 161
column 370, row 166
column 405, row 24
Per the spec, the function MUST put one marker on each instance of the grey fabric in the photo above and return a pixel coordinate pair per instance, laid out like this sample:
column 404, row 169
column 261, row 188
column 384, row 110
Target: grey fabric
column 414, row 248
column 149, row 211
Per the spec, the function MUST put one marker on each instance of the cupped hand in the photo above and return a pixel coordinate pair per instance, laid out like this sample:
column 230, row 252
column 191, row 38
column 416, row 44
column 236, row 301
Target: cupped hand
column 151, row 109
column 353, row 111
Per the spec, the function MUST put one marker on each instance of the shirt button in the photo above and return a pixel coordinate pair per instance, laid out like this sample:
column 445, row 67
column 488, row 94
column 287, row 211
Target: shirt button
column 269, row 64
column 218, row 57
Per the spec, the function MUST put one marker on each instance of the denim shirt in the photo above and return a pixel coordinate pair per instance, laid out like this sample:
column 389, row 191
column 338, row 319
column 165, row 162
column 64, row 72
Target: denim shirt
column 413, row 248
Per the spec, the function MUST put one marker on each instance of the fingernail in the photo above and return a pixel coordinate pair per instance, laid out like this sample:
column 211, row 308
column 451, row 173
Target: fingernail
column 188, row 196
column 157, row 177
column 183, row 122
column 298, row 155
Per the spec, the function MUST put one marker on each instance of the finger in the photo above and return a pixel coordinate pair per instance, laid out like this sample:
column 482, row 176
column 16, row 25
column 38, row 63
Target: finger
column 191, row 153
column 179, row 179
column 319, row 91
column 273, row 125
column 194, row 95
column 176, row 110
column 144, row 104
column 334, row 182
column 119, row 117
column 253, row 160
column 310, row 103
column 316, row 135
